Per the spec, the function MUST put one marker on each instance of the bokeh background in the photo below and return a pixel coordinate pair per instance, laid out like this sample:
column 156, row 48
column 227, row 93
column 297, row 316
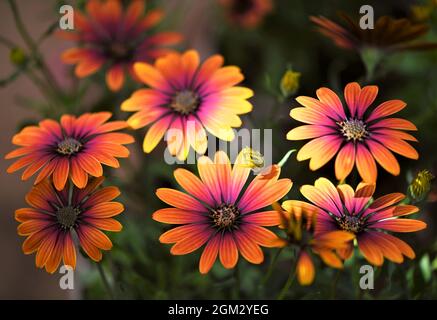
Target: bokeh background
column 141, row 267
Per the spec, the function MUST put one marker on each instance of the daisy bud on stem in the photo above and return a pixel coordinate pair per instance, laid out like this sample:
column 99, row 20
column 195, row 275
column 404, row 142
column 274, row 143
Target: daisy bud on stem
column 18, row 57
column 420, row 185
column 290, row 83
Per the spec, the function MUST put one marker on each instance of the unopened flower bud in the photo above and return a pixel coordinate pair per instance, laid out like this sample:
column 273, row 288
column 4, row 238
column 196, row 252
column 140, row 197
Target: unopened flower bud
column 290, row 83
column 17, row 56
column 420, row 186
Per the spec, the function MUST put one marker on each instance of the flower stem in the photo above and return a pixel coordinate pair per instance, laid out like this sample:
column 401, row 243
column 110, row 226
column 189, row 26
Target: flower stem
column 371, row 58
column 267, row 276
column 287, row 284
column 105, row 281
column 334, row 285
column 270, row 269
column 237, row 282
column 33, row 47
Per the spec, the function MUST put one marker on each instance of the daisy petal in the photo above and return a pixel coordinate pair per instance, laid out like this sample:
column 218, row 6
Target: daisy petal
column 228, row 251
column 248, row 249
column 370, row 249
column 386, row 109
column 365, row 164
column 209, row 254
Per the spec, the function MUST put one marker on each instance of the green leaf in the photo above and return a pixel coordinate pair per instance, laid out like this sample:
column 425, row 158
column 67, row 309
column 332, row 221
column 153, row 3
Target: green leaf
column 425, row 267
column 434, row 264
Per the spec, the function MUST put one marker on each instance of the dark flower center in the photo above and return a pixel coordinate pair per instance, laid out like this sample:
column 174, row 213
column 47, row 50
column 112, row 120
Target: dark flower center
column 69, row 146
column 67, row 216
column 118, row 51
column 185, row 102
column 353, row 129
column 350, row 223
column 241, row 7
column 225, row 215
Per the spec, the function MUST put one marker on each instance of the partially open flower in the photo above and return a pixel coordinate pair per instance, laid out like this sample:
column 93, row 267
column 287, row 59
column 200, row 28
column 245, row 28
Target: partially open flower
column 299, row 222
column 252, row 159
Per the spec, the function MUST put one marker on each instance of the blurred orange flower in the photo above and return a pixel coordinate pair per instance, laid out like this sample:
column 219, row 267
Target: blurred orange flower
column 389, row 34
column 247, row 13
column 55, row 216
column 358, row 136
column 116, row 38
column 73, row 148
column 217, row 212
column 343, row 209
column 187, row 97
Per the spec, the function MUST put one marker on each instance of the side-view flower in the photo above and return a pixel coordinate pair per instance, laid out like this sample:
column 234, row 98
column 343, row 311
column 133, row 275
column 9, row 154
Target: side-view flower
column 74, row 148
column 299, row 222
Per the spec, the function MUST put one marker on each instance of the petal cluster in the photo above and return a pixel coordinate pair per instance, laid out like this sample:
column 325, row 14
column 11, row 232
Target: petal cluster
column 116, row 38
column 216, row 211
column 54, row 219
column 185, row 99
column 75, row 148
column 356, row 135
column 346, row 209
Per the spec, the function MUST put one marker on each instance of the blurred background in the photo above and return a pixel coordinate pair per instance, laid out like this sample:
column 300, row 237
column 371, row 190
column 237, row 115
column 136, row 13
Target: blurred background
column 281, row 38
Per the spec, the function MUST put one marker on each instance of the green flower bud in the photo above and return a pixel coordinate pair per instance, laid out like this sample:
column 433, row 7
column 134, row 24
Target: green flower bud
column 420, row 186
column 290, row 83
column 17, row 56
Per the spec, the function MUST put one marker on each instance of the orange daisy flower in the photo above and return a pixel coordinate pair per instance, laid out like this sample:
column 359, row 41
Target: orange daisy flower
column 54, row 216
column 299, row 222
column 187, row 97
column 73, row 148
column 342, row 208
column 247, row 13
column 389, row 34
column 216, row 212
column 360, row 137
column 117, row 38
